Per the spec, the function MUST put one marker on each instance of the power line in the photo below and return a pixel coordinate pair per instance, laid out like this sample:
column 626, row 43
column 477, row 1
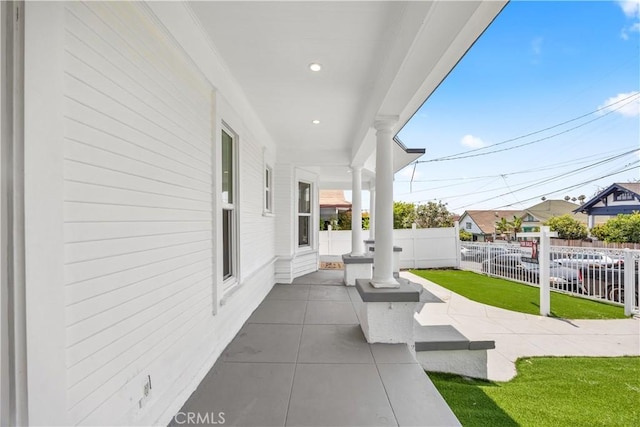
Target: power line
column 466, row 154
column 571, row 187
column 578, row 160
column 538, row 182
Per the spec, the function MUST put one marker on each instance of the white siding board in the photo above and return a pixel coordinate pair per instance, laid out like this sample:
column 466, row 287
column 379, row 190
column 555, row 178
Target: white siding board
column 90, row 174
column 102, row 267
column 97, row 250
column 83, row 291
column 91, row 193
column 90, row 401
column 80, row 93
column 106, row 85
column 102, row 141
column 120, row 104
column 88, row 232
column 110, row 40
column 127, row 75
column 79, row 211
column 87, row 337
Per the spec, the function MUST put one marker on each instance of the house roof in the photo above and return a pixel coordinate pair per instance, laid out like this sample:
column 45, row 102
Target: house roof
column 486, row 219
column 632, row 187
column 550, row 208
column 333, row 198
column 379, row 59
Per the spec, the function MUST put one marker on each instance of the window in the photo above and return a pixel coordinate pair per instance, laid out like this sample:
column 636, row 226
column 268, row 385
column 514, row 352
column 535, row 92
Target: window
column 268, row 189
column 468, row 225
column 621, row 196
column 304, row 214
column 229, row 216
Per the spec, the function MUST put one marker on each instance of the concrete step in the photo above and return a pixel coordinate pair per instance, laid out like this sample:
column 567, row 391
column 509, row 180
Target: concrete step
column 442, row 348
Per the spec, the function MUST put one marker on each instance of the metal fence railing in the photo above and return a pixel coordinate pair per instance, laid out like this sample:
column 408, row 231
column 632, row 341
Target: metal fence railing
column 594, row 273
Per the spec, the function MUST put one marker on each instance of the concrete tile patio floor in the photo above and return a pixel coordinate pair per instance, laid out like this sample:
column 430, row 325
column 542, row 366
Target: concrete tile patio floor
column 301, row 360
column 519, row 335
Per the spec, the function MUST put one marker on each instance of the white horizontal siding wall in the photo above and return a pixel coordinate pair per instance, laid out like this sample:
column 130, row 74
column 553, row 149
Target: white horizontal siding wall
column 138, row 207
column 127, row 206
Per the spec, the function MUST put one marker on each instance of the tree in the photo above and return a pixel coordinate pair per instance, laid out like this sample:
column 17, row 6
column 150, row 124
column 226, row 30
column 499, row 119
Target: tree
column 344, row 220
column 502, row 226
column 365, row 220
column 567, row 227
column 516, row 226
column 433, row 215
column 624, row 228
column 404, row 214
column 600, row 231
column 465, row 236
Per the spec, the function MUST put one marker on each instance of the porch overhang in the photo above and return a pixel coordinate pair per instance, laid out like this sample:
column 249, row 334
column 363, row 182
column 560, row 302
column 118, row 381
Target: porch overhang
column 379, row 58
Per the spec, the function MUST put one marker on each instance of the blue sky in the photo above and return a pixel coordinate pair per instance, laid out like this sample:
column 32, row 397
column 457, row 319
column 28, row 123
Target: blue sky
column 540, row 64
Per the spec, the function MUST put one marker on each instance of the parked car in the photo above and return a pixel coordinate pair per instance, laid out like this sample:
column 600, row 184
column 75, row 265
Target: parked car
column 481, row 253
column 591, row 260
column 512, row 266
column 615, row 293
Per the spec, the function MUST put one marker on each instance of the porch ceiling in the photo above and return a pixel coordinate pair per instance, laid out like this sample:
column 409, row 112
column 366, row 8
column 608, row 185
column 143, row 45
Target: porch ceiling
column 378, row 57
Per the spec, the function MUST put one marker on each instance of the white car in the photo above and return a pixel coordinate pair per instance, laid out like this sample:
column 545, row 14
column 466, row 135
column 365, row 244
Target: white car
column 589, row 260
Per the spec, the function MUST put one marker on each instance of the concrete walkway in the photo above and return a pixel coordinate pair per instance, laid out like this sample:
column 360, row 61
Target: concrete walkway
column 301, row 359
column 519, row 335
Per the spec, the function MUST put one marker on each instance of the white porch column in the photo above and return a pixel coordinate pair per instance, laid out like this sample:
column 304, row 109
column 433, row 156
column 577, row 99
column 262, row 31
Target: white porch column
column 383, row 255
column 372, row 212
column 357, row 244
column 590, row 222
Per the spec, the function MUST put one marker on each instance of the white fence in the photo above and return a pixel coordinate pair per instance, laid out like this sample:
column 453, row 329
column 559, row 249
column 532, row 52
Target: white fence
column 421, row 247
column 594, row 273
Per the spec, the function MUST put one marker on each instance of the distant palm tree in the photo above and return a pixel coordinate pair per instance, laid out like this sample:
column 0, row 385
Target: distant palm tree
column 502, row 226
column 516, row 226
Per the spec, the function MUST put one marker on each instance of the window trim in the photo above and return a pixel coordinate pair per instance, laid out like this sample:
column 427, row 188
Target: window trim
column 309, row 214
column 267, row 199
column 231, row 279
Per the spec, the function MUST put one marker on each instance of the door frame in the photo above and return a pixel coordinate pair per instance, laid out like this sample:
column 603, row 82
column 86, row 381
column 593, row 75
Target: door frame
column 13, row 348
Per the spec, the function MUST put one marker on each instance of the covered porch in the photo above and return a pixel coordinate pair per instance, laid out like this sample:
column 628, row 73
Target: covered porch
column 301, row 359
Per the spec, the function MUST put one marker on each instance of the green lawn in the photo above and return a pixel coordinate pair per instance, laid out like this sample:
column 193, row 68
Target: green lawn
column 518, row 297
column 554, row 392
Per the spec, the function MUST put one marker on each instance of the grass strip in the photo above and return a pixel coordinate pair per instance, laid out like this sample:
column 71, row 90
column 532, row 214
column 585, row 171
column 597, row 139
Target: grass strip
column 515, row 296
column 549, row 391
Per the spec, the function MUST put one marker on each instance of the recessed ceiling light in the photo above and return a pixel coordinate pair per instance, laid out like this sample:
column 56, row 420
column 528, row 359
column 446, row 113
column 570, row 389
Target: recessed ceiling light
column 315, row 122
column 314, row 66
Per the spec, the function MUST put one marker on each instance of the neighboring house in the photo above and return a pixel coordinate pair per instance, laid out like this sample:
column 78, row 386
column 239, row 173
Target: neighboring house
column 619, row 198
column 161, row 163
column 482, row 223
column 536, row 215
column 332, row 203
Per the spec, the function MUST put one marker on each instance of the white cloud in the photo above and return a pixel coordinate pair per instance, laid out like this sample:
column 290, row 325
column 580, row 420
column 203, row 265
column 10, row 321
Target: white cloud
column 633, row 28
column 631, row 8
column 630, row 107
column 472, row 141
column 536, row 45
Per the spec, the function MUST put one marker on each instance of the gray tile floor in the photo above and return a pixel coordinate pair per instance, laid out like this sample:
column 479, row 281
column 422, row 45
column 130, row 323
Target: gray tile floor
column 301, row 360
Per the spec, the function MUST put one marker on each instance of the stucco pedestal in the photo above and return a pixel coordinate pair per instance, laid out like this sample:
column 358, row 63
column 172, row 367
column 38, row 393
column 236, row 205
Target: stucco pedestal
column 356, row 267
column 386, row 314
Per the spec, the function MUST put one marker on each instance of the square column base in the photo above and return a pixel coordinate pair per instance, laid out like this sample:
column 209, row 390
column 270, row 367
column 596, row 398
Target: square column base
column 356, row 268
column 387, row 322
column 386, row 315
